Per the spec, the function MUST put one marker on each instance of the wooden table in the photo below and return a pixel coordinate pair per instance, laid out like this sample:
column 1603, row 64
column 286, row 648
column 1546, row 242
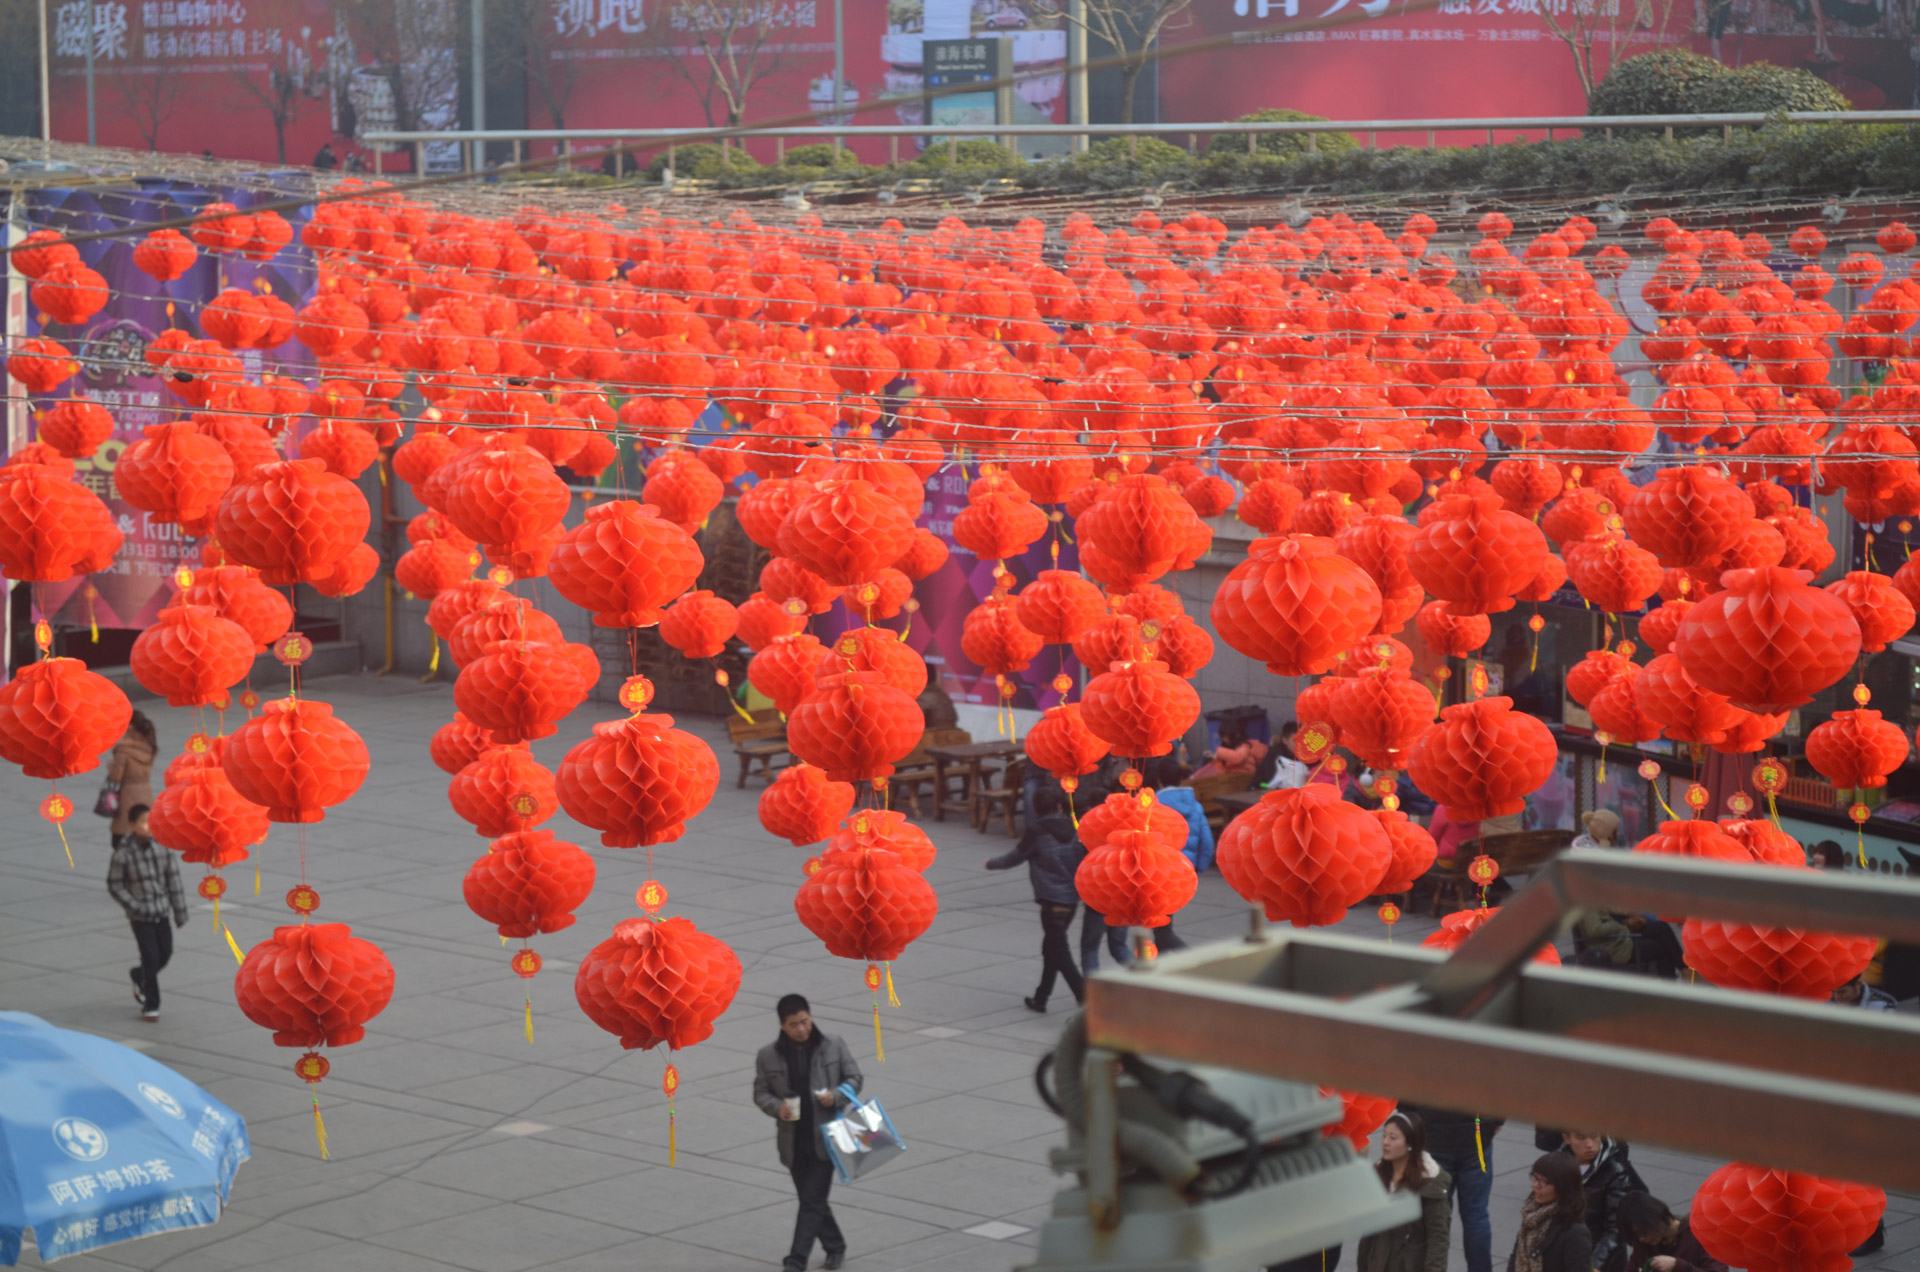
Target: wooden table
column 970, row 756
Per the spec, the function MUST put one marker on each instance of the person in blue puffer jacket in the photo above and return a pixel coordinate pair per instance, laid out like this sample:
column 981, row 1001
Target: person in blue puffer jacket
column 1164, row 777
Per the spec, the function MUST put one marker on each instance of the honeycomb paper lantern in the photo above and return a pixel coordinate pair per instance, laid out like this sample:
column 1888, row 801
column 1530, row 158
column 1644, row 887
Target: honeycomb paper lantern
column 1657, row 629
column 1882, row 612
column 1059, row 605
column 657, row 981
column 504, row 496
column 57, row 718
column 802, row 806
column 785, row 580
column 1135, row 879
column 1183, row 645
column 1694, row 839
column 874, row 649
column 1305, row 855
column 1769, row 1220
column 626, row 562
column 1475, row 555
column 502, row 617
column 1774, row 960
column 845, row 531
column 637, row 781
column 1616, row 713
column 1686, row 514
column 487, row 793
column 879, row 598
column 1138, row 810
column 925, row 553
column 76, row 427
column 1768, row 642
column 699, row 624
column 1666, row 694
column 191, row 655
column 520, row 689
column 296, row 760
column 999, row 524
column 50, row 525
column 458, row 743
column 784, row 670
column 1856, row 750
column 683, row 490
column 1594, row 672
column 314, row 984
column 1139, row 708
column 1061, row 743
column 1380, row 713
column 994, row 640
column 760, row 619
column 1449, row 634
column 455, row 603
column 1141, row 528
column 1614, row 575
column 1769, row 845
column 529, row 882
column 237, row 595
column 765, row 504
column 430, row 568
column 292, row 521
column 1455, row 928
column 1482, row 759
column 880, row 828
column 866, row 904
column 1360, row 1116
column 1414, row 851
column 203, row 818
column 855, row 727
column 1295, row 605
column 201, row 752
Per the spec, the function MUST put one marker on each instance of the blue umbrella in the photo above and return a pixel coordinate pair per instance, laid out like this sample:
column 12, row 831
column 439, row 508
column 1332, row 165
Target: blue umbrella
column 99, row 1144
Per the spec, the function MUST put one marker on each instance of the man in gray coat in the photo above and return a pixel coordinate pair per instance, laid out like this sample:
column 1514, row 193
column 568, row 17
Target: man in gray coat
column 796, row 1081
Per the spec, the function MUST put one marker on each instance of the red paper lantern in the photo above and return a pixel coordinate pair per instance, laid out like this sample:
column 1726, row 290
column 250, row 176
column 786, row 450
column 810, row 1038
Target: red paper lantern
column 1658, row 628
column 926, row 552
column 1139, row 708
column 784, row 671
column 998, row 524
column 455, row 603
column 1184, row 646
column 761, row 619
column 1141, row 528
column 56, row 718
column 191, row 655
column 500, row 617
column 529, row 882
column 765, row 504
column 1135, row 879
column 866, row 904
column 1769, row 1220
column 76, row 427
column 855, row 726
column 1482, row 759
column 51, row 527
column 347, row 450
column 845, row 531
column 638, row 781
column 165, row 255
column 1449, row 634
column 1774, row 960
column 504, row 496
column 520, row 689
column 1305, row 855
column 1380, row 713
column 203, row 818
column 1059, row 605
column 70, row 294
column 1061, row 743
column 1125, row 810
column 41, row 365
column 314, row 984
column 1695, row 838
column 1360, row 1116
column 1455, row 928
column 502, row 790
column 1768, row 642
column 1855, row 750
column 785, row 580
column 1883, row 613
column 993, row 638
column 458, row 743
column 699, row 624
column 1616, row 712
column 802, row 806
column 351, row 573
column 296, row 760
column 1668, row 695
column 878, row 650
column 430, row 568
column 1768, row 844
column 1687, row 514
column 1475, row 555
column 1295, row 605
column 879, row 828
column 292, row 521
column 1595, row 672
column 657, row 981
column 237, row 595
column 1613, row 574
column 684, row 490
column 879, row 598
column 1414, row 851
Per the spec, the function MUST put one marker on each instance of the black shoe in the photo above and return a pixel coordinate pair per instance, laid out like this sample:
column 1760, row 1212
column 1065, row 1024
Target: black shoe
column 1035, row 1004
column 1874, row 1243
column 834, row 1260
column 139, row 996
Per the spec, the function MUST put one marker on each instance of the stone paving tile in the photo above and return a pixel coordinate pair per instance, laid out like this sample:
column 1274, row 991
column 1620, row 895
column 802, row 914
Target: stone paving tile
column 422, row 1178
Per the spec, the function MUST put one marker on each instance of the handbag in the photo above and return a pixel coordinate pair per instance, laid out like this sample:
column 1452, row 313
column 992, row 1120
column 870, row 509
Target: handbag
column 107, row 803
column 862, row 1138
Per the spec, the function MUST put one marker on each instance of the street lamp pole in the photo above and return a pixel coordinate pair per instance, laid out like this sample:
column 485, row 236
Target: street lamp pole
column 479, row 55
column 46, row 95
column 1077, row 68
column 93, row 136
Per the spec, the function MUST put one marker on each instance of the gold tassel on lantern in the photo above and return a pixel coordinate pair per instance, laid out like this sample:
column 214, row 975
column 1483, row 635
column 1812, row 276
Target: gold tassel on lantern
column 320, row 1129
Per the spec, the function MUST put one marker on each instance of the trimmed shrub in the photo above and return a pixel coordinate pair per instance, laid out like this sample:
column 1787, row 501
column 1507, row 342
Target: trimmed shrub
column 1764, row 87
column 1282, row 143
column 1659, row 83
column 702, row 159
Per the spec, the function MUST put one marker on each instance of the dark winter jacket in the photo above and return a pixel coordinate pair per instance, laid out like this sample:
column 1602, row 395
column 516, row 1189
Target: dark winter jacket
column 1421, row 1244
column 1568, row 1248
column 831, row 1064
column 1052, row 853
column 1450, row 1133
column 1607, row 1179
column 1688, row 1254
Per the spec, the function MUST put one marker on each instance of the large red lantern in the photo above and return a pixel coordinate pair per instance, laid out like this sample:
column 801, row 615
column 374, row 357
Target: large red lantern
column 1059, row 605
column 1449, row 634
column 1881, row 609
column 1414, row 851
column 760, row 619
column 657, row 981
column 1305, row 855
column 430, row 568
column 56, row 718
column 1139, row 708
column 314, row 984
column 802, row 806
column 1686, row 514
column 504, row 496
column 1668, row 696
column 784, row 670
column 204, row 819
column 1768, row 642
column 1295, row 604
column 237, row 595
column 503, row 789
column 866, row 904
column 520, row 689
column 1613, row 574
column 1774, row 960
column 1380, row 713
column 1694, row 838
column 625, row 562
column 1595, row 672
column 458, row 743
column 292, row 521
column 1475, row 555
column 1482, row 759
column 191, row 655
column 51, row 527
column 1769, row 1220
column 76, row 427
column 855, row 726
column 993, row 638
column 1000, row 523
column 1061, row 743
column 296, row 760
column 1136, row 879
column 529, row 882
column 882, row 828
column 874, row 649
column 1455, row 928
column 1129, row 810
column 683, row 490
column 1140, row 529
column 1855, row 750
column 1617, row 714
column 846, row 530
column 638, row 781
column 699, row 624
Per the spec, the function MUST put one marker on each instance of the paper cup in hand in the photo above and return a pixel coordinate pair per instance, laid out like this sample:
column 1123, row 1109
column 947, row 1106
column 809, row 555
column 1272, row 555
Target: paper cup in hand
column 790, row 1108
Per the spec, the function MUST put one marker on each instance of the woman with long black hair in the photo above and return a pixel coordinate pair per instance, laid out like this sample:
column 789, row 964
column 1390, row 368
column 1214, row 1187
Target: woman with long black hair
column 1553, row 1229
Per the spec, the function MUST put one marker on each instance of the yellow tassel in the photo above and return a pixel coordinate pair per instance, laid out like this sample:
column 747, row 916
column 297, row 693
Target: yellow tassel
column 893, row 999
column 256, row 877
column 433, row 664
column 744, row 713
column 1479, row 1146
column 320, row 1129
column 232, row 944
column 93, row 624
column 503, row 940
column 879, row 1047
column 64, row 844
column 529, row 1018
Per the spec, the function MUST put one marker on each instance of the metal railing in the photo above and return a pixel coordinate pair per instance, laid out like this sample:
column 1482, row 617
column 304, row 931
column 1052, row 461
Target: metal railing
column 622, row 139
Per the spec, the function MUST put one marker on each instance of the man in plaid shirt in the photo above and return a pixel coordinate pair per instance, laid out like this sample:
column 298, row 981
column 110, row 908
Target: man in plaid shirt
column 145, row 880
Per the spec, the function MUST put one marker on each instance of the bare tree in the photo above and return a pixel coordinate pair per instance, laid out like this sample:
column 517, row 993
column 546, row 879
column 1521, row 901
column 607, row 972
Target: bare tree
column 1597, row 32
column 148, row 98
column 729, row 46
column 542, row 47
column 1130, row 28
column 281, row 90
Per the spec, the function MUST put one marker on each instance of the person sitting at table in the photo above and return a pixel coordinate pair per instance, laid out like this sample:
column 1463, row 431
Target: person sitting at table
column 1237, row 753
column 935, row 705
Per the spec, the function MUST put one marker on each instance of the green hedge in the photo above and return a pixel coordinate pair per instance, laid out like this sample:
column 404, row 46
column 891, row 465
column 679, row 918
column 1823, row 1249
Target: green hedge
column 703, row 159
column 1286, row 144
column 1674, row 82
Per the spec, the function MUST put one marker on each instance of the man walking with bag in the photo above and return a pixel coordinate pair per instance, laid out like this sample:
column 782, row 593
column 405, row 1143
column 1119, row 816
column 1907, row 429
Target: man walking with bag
column 797, row 1080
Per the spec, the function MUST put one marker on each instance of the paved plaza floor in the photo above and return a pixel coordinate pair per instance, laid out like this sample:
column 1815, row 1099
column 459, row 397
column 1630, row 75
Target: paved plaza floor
column 457, row 1145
